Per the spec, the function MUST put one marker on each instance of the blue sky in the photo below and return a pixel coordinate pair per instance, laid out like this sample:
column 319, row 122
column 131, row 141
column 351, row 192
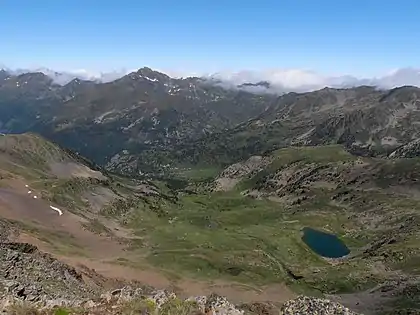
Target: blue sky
column 335, row 37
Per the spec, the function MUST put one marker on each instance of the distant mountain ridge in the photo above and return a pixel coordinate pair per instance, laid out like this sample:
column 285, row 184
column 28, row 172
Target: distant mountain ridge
column 279, row 80
column 146, row 120
column 140, row 111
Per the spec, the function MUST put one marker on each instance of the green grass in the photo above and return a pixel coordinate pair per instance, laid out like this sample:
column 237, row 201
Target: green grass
column 61, row 242
column 198, row 173
column 394, row 171
column 227, row 236
column 135, row 306
column 329, row 153
column 171, row 307
column 28, row 309
column 66, row 193
column 70, row 193
column 95, row 226
column 31, row 151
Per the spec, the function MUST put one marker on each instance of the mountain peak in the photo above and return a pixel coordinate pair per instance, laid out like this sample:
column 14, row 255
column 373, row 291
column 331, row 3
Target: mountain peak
column 78, row 81
column 36, row 76
column 148, row 74
column 3, row 74
column 145, row 70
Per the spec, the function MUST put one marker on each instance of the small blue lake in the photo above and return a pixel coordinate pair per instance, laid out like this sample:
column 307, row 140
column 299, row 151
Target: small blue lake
column 324, row 244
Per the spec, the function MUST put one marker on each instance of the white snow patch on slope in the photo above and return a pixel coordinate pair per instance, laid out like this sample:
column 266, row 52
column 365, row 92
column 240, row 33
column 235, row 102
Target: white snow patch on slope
column 100, row 118
column 150, row 79
column 56, row 209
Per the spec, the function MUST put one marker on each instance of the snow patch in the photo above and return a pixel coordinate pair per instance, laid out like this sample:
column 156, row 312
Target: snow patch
column 155, row 121
column 56, row 209
column 100, row 118
column 150, row 79
column 132, row 124
column 173, row 91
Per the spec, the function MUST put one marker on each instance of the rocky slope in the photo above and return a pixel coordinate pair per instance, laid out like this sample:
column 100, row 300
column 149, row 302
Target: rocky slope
column 409, row 150
column 366, row 120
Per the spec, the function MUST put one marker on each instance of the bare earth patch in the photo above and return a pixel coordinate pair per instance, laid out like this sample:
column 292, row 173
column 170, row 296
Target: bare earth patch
column 99, row 198
column 71, row 169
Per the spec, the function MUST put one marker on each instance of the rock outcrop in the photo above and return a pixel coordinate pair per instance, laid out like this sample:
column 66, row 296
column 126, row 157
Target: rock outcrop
column 234, row 173
column 136, row 301
column 307, row 305
column 409, row 150
column 33, row 276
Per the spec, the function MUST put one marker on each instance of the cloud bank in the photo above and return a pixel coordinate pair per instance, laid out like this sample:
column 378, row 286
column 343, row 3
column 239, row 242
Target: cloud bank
column 295, row 80
column 272, row 80
column 64, row 77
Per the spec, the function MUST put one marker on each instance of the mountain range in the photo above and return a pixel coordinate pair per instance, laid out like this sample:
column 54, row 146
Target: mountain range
column 279, row 80
column 147, row 121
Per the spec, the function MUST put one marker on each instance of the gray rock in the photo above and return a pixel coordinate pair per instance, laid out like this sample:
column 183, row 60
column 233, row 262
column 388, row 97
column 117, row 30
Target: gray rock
column 304, row 305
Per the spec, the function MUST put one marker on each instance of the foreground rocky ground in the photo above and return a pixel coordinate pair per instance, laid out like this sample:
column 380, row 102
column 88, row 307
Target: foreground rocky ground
column 129, row 300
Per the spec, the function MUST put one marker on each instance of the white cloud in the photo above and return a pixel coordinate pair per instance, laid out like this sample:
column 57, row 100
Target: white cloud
column 284, row 80
column 63, row 77
column 398, row 77
column 281, row 80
